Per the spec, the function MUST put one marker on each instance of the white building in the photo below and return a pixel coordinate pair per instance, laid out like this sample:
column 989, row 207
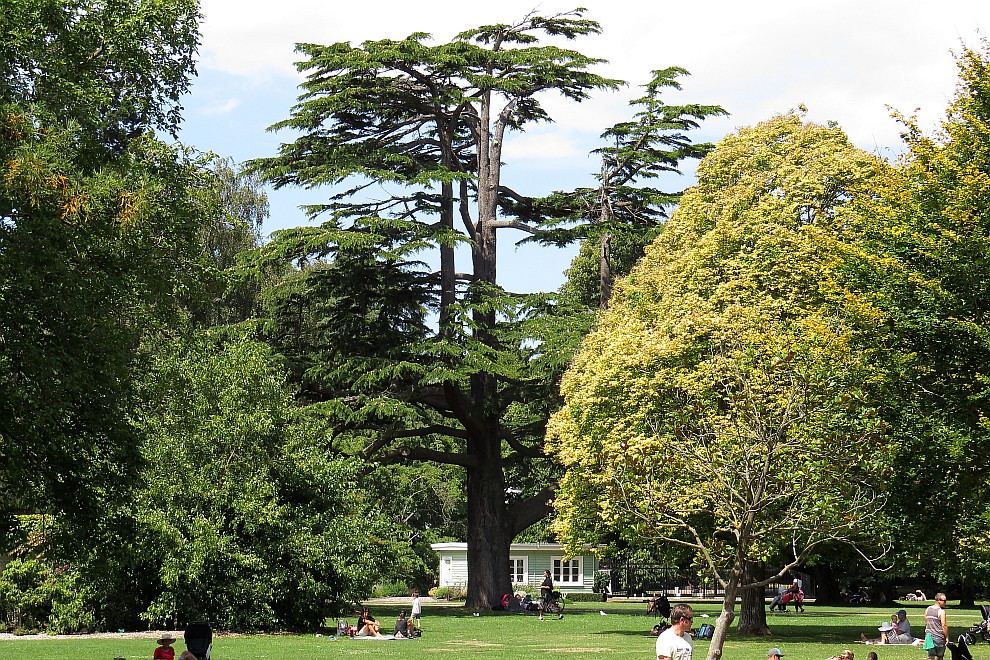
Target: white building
column 527, row 561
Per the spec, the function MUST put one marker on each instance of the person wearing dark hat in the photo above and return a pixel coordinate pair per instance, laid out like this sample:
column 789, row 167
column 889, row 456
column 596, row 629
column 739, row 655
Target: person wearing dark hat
column 775, row 654
column 165, row 651
column 901, row 634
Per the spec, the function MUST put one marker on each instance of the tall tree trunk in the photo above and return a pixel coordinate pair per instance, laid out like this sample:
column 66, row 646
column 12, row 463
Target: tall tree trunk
column 605, row 271
column 967, row 597
column 489, row 531
column 605, row 247
column 448, row 268
column 753, row 609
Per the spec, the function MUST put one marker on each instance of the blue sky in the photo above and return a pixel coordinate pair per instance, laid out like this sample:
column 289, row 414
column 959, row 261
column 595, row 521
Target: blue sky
column 845, row 60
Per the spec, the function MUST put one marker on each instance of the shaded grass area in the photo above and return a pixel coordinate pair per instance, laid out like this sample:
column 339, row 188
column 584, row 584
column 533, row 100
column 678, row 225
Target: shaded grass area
column 453, row 632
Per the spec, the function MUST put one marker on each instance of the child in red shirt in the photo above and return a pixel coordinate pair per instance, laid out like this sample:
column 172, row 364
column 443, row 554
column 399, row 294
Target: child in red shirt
column 165, row 650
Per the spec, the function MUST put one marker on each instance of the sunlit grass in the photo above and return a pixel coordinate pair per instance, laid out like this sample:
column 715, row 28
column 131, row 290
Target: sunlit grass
column 453, row 632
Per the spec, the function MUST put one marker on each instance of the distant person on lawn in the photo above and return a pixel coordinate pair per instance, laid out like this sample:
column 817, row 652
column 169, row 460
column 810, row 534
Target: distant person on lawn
column 416, row 613
column 546, row 592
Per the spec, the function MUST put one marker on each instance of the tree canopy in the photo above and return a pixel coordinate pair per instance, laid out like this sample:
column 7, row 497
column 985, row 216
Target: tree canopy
column 98, row 222
column 728, row 401
column 428, row 124
column 116, row 68
column 942, row 492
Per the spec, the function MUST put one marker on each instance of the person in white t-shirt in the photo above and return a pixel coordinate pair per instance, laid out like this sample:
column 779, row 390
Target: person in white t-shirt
column 675, row 642
column 416, row 613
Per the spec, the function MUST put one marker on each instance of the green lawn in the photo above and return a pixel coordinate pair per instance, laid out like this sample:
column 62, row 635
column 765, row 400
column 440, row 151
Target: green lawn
column 452, row 632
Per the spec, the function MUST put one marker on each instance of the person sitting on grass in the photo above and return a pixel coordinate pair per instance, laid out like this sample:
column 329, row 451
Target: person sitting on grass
column 367, row 626
column 898, row 631
column 402, row 626
column 901, row 634
column 886, row 628
column 165, row 651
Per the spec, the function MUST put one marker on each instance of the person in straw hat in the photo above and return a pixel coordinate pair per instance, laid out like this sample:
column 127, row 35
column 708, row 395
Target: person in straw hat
column 165, row 650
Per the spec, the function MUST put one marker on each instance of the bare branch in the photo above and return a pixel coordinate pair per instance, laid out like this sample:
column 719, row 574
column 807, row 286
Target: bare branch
column 512, row 224
column 530, row 510
column 407, row 453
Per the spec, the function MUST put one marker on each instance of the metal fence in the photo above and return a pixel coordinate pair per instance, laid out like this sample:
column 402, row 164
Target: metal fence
column 646, row 579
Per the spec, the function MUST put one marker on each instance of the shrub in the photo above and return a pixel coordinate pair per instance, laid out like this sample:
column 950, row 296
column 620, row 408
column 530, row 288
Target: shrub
column 448, row 593
column 390, row 589
column 34, row 596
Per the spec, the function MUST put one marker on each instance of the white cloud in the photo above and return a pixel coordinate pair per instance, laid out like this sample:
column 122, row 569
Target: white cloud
column 220, row 108
column 845, row 59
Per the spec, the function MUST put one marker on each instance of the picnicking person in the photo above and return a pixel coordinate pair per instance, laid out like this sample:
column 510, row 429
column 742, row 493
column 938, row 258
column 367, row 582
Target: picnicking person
column 165, row 650
column 367, row 625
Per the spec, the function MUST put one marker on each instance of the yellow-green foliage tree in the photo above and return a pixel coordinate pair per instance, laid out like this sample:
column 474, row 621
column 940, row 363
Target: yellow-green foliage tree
column 726, row 401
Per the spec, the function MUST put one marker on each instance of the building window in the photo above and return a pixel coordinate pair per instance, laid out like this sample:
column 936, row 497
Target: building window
column 567, row 572
column 518, row 570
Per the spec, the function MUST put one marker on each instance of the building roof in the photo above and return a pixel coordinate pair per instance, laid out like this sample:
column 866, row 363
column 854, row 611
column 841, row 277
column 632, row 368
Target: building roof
column 515, row 547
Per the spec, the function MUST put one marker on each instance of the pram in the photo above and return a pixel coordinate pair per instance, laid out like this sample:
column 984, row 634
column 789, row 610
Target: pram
column 658, row 607
column 553, row 603
column 787, row 595
column 796, row 597
column 199, row 639
column 979, row 630
column 959, row 651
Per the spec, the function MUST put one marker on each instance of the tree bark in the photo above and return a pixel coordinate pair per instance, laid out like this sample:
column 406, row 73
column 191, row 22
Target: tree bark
column 826, row 585
column 488, row 530
column 725, row 618
column 967, row 596
column 753, row 609
column 605, row 271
